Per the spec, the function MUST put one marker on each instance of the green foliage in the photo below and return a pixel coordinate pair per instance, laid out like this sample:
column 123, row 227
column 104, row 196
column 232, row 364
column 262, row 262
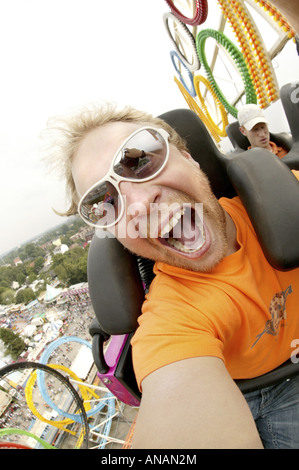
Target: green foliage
column 7, row 296
column 30, row 252
column 38, row 264
column 25, row 295
column 14, row 344
column 19, row 273
column 67, row 229
column 71, row 267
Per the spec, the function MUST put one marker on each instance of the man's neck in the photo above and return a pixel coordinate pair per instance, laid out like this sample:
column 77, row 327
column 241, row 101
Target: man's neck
column 268, row 147
column 231, row 232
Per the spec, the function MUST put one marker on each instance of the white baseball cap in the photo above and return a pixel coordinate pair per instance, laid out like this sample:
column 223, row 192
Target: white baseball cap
column 250, row 115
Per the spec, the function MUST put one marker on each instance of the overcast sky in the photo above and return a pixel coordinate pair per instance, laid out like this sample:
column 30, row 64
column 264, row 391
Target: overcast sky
column 58, row 54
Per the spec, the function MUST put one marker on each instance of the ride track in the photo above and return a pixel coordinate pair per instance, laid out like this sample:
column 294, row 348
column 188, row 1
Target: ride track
column 107, row 401
column 85, row 411
column 12, row 445
column 86, row 391
column 7, row 370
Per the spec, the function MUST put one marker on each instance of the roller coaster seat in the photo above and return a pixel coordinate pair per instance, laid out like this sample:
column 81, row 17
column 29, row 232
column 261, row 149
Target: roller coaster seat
column 118, row 279
column 289, row 95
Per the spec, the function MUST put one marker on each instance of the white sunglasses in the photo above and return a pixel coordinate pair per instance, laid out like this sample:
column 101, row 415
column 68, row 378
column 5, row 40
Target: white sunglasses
column 140, row 158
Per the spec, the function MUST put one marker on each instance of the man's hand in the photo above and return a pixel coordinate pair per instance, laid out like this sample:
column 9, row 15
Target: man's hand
column 194, row 404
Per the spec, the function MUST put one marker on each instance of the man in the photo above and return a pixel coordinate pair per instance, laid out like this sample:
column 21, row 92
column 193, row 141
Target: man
column 254, row 125
column 216, row 310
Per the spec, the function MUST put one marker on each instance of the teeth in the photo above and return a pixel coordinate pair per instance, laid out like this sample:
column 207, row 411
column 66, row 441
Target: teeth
column 179, row 246
column 174, row 242
column 172, row 223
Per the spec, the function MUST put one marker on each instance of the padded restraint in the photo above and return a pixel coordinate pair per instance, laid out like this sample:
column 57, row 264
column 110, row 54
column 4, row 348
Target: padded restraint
column 289, row 95
column 270, row 194
column 115, row 286
column 202, row 149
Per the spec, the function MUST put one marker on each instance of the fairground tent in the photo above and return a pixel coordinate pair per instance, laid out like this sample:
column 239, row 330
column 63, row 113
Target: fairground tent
column 52, row 293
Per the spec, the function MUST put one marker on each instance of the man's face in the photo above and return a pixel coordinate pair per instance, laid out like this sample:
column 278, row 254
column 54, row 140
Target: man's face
column 156, row 211
column 259, row 135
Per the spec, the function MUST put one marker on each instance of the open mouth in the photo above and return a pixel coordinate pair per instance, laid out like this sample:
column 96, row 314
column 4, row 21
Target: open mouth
column 184, row 232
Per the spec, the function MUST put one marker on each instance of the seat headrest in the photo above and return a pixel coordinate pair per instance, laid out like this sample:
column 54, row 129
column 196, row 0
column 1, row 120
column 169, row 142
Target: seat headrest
column 115, row 285
column 238, row 140
column 202, row 148
column 270, row 194
column 290, row 100
column 289, row 95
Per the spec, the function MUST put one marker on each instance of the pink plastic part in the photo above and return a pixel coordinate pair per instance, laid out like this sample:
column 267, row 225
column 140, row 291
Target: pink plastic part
column 112, row 356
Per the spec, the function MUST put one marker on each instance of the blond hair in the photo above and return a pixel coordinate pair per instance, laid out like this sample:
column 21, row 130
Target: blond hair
column 66, row 133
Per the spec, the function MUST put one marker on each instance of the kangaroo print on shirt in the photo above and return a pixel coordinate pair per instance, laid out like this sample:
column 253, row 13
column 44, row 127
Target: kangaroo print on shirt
column 278, row 313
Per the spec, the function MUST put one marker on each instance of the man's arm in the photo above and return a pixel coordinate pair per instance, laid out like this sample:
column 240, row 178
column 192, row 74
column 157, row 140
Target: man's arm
column 194, row 403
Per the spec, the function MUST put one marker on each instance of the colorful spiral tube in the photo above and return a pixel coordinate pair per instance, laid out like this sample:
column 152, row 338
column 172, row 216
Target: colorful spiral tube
column 189, row 87
column 239, row 61
column 200, row 12
column 248, row 52
column 224, row 119
column 195, row 107
column 8, row 431
column 182, row 40
column 277, row 16
column 253, row 49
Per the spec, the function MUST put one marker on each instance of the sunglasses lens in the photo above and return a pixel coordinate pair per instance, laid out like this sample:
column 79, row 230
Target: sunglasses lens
column 142, row 156
column 101, row 205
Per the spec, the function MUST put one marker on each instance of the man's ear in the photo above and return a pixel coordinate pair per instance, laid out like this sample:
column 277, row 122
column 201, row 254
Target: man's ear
column 243, row 130
column 190, row 158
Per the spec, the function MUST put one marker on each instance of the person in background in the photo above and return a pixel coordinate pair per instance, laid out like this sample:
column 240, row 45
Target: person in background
column 254, row 125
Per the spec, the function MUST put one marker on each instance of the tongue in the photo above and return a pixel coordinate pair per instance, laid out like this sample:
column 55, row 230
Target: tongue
column 189, row 234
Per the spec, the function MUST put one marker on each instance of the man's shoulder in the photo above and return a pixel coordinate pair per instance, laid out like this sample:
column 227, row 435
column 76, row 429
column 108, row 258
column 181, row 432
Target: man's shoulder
column 277, row 150
column 233, row 204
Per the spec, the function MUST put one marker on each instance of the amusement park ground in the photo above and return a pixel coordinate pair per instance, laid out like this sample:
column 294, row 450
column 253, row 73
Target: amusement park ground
column 77, row 325
column 123, row 424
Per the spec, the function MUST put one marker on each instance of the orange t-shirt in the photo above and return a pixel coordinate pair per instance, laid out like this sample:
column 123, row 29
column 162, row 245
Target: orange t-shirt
column 244, row 311
column 279, row 151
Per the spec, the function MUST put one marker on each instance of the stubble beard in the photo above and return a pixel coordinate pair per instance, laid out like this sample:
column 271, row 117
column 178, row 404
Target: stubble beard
column 215, row 219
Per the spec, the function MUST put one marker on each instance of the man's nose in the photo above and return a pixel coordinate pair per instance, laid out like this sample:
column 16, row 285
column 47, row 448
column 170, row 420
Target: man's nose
column 139, row 196
column 263, row 132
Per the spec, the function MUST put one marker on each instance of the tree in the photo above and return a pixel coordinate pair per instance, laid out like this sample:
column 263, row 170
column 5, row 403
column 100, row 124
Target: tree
column 31, row 251
column 65, row 240
column 25, row 295
column 61, row 273
column 14, row 344
column 7, row 297
column 31, row 278
column 71, row 267
column 38, row 264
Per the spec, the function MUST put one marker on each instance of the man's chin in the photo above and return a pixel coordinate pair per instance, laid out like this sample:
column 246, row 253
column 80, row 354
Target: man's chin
column 205, row 260
column 202, row 264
